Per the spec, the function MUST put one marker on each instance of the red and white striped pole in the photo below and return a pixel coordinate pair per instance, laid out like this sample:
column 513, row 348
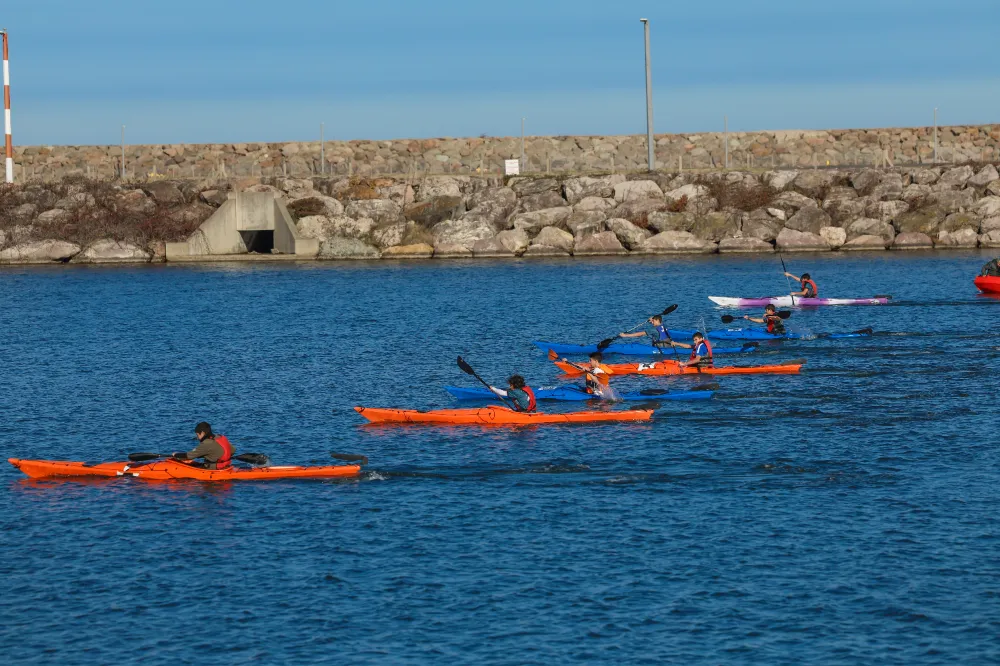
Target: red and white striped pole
column 8, row 143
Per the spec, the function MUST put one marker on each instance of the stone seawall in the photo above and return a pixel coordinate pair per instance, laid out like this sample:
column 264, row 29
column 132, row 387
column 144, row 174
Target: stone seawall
column 485, row 155
column 808, row 210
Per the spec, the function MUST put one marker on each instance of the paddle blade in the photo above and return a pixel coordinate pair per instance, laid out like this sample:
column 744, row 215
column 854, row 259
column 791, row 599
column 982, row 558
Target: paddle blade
column 654, row 391
column 143, row 457
column 728, row 319
column 466, row 368
column 553, row 356
column 784, row 314
column 889, row 296
column 750, row 345
column 258, row 459
column 706, row 387
column 865, row 331
column 350, row 457
column 604, row 344
column 669, row 310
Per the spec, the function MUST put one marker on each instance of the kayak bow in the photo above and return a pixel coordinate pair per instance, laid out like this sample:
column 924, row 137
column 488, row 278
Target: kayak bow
column 169, row 470
column 496, row 416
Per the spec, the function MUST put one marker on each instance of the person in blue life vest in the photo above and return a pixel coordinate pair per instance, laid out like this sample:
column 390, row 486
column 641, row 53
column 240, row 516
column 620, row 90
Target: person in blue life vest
column 809, row 289
column 701, row 352
column 518, row 393
column 657, row 333
column 771, row 319
column 214, row 450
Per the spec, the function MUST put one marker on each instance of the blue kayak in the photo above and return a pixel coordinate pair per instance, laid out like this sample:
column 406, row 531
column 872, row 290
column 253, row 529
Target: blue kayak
column 761, row 334
column 636, row 349
column 575, row 394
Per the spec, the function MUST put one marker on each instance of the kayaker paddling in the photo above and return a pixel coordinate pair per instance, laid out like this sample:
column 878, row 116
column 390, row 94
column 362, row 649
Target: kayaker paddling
column 596, row 375
column 701, row 352
column 659, row 335
column 215, row 450
column 808, row 287
column 519, row 393
column 774, row 323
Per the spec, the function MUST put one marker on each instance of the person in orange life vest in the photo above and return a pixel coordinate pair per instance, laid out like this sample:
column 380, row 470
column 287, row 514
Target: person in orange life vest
column 519, row 393
column 701, row 352
column 809, row 289
column 771, row 318
column 216, row 450
column 598, row 374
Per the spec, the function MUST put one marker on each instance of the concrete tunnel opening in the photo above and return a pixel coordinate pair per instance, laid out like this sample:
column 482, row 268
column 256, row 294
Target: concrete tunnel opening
column 259, row 241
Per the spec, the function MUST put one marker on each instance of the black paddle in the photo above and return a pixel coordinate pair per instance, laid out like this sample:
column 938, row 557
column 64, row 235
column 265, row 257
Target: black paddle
column 553, row 356
column 350, row 457
column 729, row 319
column 467, row 369
column 604, row 344
column 786, row 278
column 251, row 458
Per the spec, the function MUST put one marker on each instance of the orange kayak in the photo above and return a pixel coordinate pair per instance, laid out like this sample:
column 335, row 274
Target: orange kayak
column 496, row 416
column 673, row 368
column 168, row 470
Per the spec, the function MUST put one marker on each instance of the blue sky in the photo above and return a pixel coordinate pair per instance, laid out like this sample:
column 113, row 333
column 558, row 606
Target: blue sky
column 227, row 71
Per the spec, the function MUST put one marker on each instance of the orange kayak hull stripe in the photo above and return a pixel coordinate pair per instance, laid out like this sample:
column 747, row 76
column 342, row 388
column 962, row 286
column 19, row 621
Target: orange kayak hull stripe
column 169, row 470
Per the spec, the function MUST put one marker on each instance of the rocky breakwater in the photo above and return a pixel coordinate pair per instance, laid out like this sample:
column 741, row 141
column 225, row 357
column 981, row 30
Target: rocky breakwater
column 814, row 210
column 661, row 213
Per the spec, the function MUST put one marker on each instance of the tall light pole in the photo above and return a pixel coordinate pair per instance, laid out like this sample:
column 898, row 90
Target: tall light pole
column 8, row 142
column 651, row 154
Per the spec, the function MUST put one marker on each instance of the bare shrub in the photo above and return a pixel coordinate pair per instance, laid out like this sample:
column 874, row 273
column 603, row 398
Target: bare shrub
column 678, row 205
column 739, row 195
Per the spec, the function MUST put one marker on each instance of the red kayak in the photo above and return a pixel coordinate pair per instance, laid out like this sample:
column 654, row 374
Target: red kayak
column 988, row 284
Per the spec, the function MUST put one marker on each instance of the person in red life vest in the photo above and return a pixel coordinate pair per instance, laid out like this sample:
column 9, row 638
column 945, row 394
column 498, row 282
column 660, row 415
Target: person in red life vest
column 809, row 289
column 774, row 323
column 519, row 394
column 701, row 352
column 216, row 450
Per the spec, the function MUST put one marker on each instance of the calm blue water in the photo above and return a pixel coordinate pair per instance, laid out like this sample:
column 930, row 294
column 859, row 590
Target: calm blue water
column 846, row 515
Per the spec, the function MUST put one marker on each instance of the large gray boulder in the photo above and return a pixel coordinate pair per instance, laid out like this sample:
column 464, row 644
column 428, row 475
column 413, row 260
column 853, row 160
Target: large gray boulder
column 925, row 176
column 490, row 248
column 109, row 251
column 39, row 252
column 913, row 194
column 814, row 183
column 594, row 204
column 865, row 181
column 77, row 201
column 433, row 187
column 990, row 224
column 865, row 243
column 451, row 251
column 790, row 240
column 314, row 204
column 164, row 191
column 603, row 243
column 809, row 219
column 663, row 221
column 834, row 236
column 515, row 241
column 553, row 237
column 690, row 192
column 958, row 176
column 585, row 223
column 525, row 186
column 985, row 176
column 961, row 238
column 957, row 221
column 952, row 201
column 790, row 202
column 990, row 239
column 867, row 226
column 540, row 201
column 844, row 208
column 544, row 251
column 744, row 245
column 638, row 212
column 534, row 221
column 762, row 226
column 716, row 226
column 890, row 189
column 321, row 227
column 635, row 190
column 26, row 212
column 577, row 189
column 383, row 211
column 429, row 212
column 52, row 217
column 461, row 232
column 780, row 180
column 988, row 206
column 631, row 236
column 346, row 248
column 886, row 210
column 392, row 234
column 912, row 240
column 494, row 198
column 677, row 242
column 925, row 221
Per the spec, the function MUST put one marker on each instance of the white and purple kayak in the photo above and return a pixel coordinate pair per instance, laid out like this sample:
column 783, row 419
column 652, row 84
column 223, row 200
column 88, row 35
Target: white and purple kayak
column 793, row 301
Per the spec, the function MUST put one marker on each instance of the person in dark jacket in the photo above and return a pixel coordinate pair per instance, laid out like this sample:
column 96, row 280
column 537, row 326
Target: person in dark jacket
column 214, row 450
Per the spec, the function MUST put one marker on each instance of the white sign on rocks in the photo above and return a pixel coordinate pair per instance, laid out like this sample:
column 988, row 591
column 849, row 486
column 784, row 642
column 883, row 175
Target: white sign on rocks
column 512, row 167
